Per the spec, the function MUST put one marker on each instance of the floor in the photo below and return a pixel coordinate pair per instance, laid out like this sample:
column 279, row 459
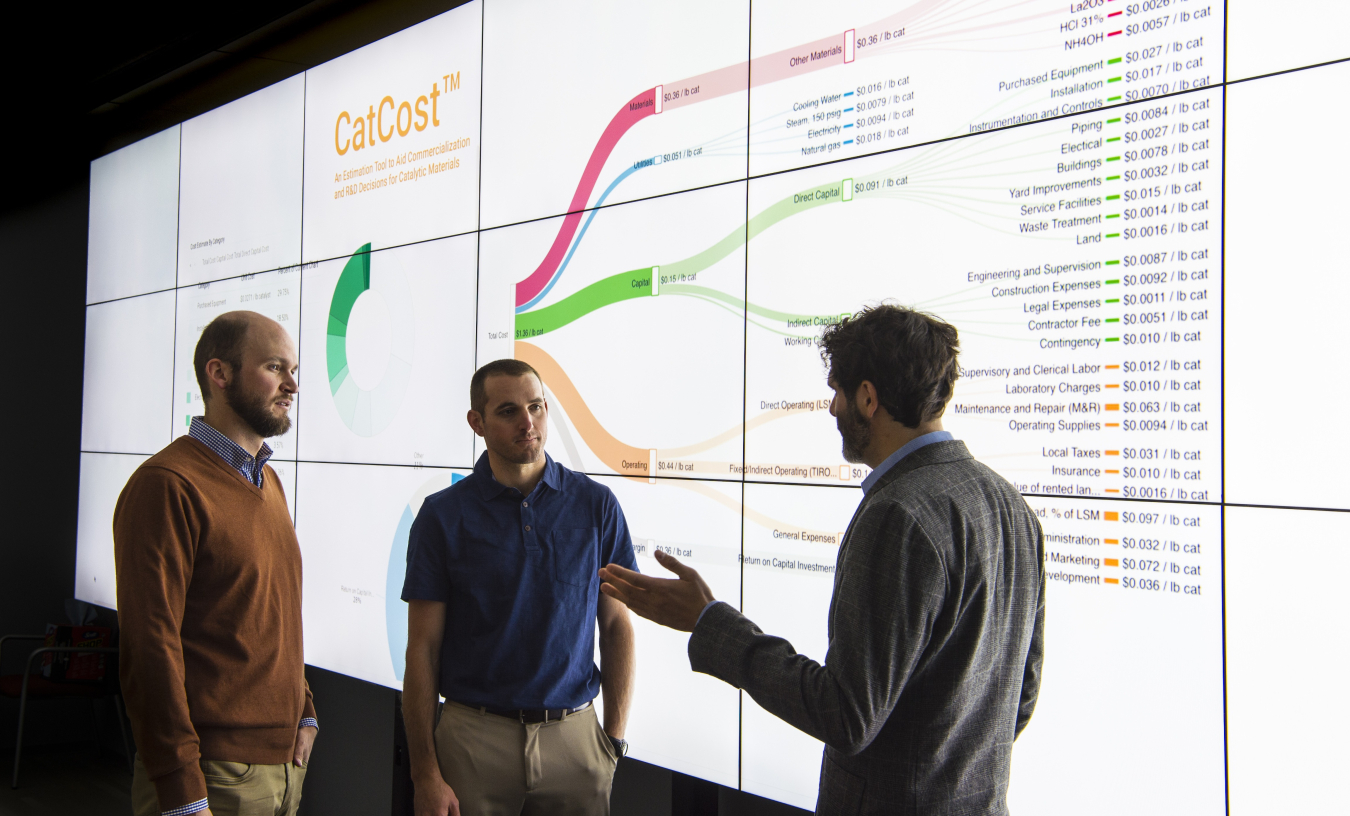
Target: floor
column 60, row 779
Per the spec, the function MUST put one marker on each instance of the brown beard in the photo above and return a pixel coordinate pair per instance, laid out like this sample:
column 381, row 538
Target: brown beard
column 256, row 413
column 856, row 432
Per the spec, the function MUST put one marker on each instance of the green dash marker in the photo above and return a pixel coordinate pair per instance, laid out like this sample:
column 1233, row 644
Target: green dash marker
column 1112, row 99
column 1112, row 79
column 1113, row 121
column 1113, row 339
column 1113, row 215
column 1112, row 320
column 1113, row 158
column 1113, row 178
column 1113, row 300
column 1112, row 197
column 1112, row 235
column 1113, row 61
column 1113, row 139
column 187, row 420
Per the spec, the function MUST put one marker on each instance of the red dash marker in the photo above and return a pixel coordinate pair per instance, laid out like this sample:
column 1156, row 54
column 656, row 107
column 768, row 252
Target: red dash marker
column 1113, row 33
column 1114, row 14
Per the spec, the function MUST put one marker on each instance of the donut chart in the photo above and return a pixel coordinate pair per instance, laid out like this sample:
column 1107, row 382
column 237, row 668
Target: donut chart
column 368, row 411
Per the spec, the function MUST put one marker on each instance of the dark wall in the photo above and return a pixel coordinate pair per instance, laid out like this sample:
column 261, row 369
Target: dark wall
column 42, row 328
column 351, row 769
column 42, row 331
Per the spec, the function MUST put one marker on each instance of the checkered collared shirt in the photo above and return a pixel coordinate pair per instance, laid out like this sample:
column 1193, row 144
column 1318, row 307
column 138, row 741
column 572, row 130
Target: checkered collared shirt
column 251, row 467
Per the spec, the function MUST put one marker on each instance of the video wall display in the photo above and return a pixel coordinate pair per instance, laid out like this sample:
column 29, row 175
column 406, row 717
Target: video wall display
column 1135, row 242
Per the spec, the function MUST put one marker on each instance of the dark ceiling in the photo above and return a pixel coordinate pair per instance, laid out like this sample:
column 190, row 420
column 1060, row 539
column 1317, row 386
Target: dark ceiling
column 81, row 80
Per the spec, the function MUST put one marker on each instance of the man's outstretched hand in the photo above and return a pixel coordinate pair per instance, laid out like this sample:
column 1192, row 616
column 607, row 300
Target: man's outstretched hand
column 674, row 602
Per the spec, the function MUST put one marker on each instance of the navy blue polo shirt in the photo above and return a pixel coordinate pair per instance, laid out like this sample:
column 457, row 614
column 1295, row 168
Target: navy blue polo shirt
column 518, row 576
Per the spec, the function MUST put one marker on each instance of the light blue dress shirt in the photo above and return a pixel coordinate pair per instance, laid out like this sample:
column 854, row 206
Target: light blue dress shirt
column 905, row 450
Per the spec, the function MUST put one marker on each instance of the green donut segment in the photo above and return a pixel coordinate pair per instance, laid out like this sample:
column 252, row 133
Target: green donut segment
column 352, row 283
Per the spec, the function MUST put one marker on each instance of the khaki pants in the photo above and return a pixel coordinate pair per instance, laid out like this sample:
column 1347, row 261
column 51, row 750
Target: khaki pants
column 232, row 789
column 501, row 767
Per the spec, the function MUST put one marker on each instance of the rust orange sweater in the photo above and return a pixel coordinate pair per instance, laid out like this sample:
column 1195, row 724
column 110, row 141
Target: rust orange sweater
column 208, row 597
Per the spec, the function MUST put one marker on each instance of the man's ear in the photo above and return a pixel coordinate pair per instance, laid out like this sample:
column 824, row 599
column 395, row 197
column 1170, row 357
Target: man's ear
column 218, row 372
column 475, row 421
column 866, row 399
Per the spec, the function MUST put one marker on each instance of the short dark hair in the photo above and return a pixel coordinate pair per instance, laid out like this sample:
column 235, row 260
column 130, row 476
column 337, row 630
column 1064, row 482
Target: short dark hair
column 910, row 356
column 510, row 368
column 222, row 339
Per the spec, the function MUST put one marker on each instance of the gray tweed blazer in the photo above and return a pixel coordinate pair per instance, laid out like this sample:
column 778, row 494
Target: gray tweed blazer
column 936, row 642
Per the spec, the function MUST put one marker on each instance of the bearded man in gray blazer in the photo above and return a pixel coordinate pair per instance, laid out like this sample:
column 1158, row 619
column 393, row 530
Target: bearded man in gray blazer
column 937, row 620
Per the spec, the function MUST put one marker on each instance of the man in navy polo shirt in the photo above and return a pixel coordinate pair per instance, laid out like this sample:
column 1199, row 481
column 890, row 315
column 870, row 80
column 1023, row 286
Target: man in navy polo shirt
column 503, row 601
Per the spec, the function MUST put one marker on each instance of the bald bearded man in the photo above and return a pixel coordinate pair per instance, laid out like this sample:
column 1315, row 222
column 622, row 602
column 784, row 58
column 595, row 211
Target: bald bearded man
column 208, row 593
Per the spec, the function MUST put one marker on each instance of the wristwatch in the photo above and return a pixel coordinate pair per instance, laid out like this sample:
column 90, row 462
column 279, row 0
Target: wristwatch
column 620, row 745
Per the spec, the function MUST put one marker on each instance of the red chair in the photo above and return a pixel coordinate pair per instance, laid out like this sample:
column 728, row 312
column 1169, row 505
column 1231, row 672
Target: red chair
column 29, row 684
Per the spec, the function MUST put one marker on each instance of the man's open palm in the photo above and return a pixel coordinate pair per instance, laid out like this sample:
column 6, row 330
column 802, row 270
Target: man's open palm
column 674, row 602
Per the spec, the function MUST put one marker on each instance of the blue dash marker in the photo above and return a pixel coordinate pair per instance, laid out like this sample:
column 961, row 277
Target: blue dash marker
column 848, row 141
column 848, row 93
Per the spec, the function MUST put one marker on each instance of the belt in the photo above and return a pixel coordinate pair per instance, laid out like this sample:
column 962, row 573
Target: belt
column 529, row 716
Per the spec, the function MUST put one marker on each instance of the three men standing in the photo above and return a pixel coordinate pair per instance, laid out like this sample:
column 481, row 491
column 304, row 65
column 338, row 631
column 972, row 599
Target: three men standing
column 503, row 600
column 936, row 625
column 208, row 594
